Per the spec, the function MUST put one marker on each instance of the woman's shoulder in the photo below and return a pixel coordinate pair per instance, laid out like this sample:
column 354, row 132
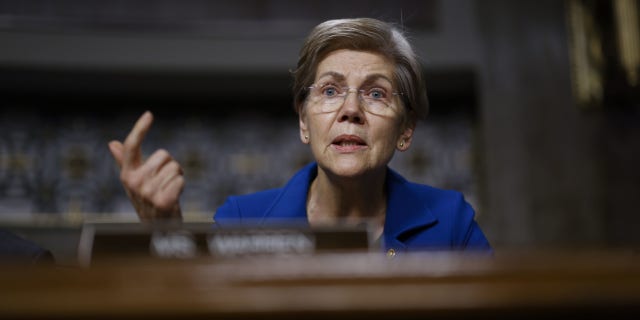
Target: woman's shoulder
column 247, row 205
column 438, row 203
column 286, row 201
column 423, row 191
column 434, row 217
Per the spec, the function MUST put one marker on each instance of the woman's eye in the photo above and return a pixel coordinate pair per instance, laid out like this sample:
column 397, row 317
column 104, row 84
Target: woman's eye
column 329, row 91
column 377, row 94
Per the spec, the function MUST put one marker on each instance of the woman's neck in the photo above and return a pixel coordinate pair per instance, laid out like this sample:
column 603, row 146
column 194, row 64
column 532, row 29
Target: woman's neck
column 334, row 200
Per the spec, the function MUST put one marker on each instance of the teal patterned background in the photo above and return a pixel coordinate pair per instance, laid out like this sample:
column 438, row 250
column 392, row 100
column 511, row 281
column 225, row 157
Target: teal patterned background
column 60, row 164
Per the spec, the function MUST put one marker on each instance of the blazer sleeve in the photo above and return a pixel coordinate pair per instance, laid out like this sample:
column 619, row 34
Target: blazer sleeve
column 471, row 236
column 228, row 212
column 244, row 209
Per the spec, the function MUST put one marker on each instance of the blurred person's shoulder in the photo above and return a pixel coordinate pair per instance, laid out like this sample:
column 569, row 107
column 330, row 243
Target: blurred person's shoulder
column 17, row 250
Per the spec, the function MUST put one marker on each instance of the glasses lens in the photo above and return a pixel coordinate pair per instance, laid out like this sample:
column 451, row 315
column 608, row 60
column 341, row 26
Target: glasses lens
column 377, row 107
column 329, row 100
column 325, row 99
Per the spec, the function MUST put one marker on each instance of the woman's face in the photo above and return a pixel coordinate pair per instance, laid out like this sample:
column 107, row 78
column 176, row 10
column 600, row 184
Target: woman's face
column 351, row 138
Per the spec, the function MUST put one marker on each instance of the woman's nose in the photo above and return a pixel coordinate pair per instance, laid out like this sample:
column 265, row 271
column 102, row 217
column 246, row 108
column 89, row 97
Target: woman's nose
column 351, row 109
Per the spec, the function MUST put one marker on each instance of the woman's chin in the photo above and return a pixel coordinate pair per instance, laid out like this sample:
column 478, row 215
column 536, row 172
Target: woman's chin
column 348, row 169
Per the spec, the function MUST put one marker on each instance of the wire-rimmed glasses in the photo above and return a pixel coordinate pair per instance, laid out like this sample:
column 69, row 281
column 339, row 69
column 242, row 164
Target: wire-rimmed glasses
column 376, row 100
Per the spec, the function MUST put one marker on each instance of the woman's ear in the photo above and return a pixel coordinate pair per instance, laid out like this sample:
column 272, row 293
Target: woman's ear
column 304, row 130
column 404, row 141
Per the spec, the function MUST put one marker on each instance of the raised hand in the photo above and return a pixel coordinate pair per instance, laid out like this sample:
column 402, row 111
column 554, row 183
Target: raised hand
column 153, row 186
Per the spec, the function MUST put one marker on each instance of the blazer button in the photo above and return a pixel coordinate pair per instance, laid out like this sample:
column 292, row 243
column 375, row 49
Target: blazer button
column 391, row 253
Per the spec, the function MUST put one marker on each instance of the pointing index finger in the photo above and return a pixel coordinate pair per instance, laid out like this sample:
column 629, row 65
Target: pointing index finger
column 132, row 152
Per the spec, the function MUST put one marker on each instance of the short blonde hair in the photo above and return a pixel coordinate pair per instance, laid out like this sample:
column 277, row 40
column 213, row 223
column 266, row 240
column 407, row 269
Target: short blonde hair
column 363, row 34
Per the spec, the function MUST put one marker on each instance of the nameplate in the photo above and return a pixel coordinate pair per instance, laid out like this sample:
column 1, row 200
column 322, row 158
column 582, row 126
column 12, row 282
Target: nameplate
column 193, row 240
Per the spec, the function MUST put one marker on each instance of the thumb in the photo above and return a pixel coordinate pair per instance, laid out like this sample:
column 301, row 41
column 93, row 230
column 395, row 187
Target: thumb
column 116, row 148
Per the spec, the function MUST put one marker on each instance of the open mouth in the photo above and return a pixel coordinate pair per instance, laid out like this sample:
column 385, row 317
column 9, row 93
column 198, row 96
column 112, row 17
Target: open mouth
column 348, row 141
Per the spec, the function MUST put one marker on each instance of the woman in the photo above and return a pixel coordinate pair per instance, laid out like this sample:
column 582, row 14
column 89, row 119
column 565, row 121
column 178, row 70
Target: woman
column 359, row 92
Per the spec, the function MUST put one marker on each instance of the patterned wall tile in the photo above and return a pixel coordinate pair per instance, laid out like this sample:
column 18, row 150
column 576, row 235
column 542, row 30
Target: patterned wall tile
column 62, row 164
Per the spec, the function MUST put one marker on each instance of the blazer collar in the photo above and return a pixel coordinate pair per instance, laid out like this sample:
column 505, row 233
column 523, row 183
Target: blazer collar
column 406, row 209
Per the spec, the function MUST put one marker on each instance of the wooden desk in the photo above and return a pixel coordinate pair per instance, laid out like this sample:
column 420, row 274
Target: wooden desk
column 340, row 286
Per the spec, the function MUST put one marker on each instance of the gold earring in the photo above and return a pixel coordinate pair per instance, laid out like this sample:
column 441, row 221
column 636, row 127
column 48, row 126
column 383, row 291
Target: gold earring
column 401, row 144
column 306, row 137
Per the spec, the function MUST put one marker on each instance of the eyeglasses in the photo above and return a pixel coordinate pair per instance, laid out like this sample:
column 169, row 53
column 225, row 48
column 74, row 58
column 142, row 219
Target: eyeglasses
column 329, row 98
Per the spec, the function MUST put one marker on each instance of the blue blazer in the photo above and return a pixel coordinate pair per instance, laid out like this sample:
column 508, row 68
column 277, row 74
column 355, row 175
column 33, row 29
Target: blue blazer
column 419, row 217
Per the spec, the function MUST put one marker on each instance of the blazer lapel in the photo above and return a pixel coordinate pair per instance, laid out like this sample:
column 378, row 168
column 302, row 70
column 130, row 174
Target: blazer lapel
column 291, row 204
column 406, row 211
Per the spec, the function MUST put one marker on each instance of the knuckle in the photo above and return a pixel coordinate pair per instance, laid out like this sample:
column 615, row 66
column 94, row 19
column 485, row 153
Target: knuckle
column 162, row 154
column 147, row 191
column 174, row 166
column 180, row 182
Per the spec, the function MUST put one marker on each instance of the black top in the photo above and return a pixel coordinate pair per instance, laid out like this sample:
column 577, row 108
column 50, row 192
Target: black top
column 14, row 249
